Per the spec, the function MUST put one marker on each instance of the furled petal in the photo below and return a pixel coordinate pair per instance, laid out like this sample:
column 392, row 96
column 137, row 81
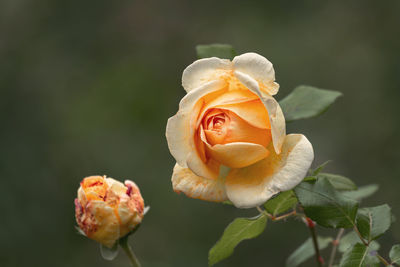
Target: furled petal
column 202, row 71
column 259, row 68
column 253, row 112
column 276, row 118
column 184, row 180
column 253, row 185
column 237, row 130
column 228, row 98
column 180, row 130
column 237, row 155
column 107, row 232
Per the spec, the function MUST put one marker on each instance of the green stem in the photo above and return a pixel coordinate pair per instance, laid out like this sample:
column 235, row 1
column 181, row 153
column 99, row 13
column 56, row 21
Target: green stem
column 129, row 252
column 382, row 259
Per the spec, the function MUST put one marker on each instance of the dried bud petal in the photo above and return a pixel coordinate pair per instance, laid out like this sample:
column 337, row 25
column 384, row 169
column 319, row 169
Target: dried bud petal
column 107, row 210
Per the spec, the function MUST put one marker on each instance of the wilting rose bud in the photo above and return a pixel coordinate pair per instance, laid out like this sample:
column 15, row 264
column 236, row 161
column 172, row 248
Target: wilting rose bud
column 107, row 210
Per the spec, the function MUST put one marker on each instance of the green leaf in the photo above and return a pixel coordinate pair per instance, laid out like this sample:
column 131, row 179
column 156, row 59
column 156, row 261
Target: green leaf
column 319, row 168
column 354, row 257
column 362, row 192
column 306, row 251
column 350, row 239
column 109, row 253
column 339, row 182
column 394, row 254
column 237, row 231
column 307, row 102
column 374, row 222
column 281, row 203
column 328, row 207
column 215, row 50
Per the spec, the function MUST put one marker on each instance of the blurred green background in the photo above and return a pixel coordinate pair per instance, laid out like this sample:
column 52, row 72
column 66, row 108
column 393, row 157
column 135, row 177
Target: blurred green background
column 86, row 87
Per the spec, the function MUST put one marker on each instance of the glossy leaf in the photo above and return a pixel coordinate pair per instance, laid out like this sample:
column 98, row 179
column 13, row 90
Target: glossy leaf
column 109, row 253
column 339, row 182
column 395, row 254
column 374, row 222
column 237, row 231
column 354, row 257
column 328, row 207
column 350, row 239
column 215, row 50
column 281, row 203
column 306, row 251
column 307, row 102
column 362, row 192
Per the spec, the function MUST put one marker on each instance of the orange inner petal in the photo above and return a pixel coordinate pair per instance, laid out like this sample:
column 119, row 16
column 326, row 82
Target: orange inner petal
column 223, row 126
column 95, row 187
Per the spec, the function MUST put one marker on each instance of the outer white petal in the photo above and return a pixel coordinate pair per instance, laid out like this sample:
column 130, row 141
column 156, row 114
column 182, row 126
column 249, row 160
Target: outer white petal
column 184, row 180
column 275, row 114
column 259, row 68
column 254, row 185
column 202, row 71
column 181, row 129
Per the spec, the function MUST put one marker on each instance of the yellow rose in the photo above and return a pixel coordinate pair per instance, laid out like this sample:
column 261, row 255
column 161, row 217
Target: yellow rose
column 107, row 210
column 229, row 117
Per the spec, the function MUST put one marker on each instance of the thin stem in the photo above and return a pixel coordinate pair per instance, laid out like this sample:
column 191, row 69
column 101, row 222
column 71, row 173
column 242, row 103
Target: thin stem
column 311, row 226
column 284, row 216
column 383, row 260
column 360, row 236
column 273, row 218
column 129, row 252
column 335, row 244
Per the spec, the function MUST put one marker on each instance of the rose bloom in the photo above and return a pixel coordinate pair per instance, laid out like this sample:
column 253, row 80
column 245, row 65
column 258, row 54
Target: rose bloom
column 107, row 210
column 229, row 117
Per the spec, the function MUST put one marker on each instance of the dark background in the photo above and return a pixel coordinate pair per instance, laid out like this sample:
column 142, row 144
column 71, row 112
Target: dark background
column 86, row 87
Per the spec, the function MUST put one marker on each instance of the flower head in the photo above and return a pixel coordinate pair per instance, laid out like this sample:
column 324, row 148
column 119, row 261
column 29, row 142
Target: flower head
column 230, row 118
column 107, row 210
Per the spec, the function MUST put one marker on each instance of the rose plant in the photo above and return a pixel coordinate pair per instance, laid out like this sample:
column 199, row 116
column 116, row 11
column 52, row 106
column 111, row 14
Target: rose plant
column 230, row 145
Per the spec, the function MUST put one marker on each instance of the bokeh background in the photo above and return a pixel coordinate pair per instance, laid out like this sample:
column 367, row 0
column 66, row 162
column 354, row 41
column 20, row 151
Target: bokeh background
column 86, row 87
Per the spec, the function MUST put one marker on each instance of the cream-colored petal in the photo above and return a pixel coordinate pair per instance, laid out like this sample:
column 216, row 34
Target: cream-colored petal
column 253, row 185
column 108, row 225
column 259, row 68
column 202, row 71
column 185, row 181
column 181, row 129
column 237, row 155
column 276, row 118
column 116, row 186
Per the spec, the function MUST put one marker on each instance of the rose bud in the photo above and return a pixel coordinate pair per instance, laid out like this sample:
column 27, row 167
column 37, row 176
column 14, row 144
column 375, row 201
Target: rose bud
column 230, row 118
column 107, row 210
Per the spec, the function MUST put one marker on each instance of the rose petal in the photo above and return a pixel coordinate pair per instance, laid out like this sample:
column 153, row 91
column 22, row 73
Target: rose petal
column 184, row 180
column 202, row 71
column 259, row 68
column 227, row 98
column 253, row 112
column 107, row 232
column 254, row 185
column 238, row 130
column 180, row 130
column 237, row 155
column 276, row 118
